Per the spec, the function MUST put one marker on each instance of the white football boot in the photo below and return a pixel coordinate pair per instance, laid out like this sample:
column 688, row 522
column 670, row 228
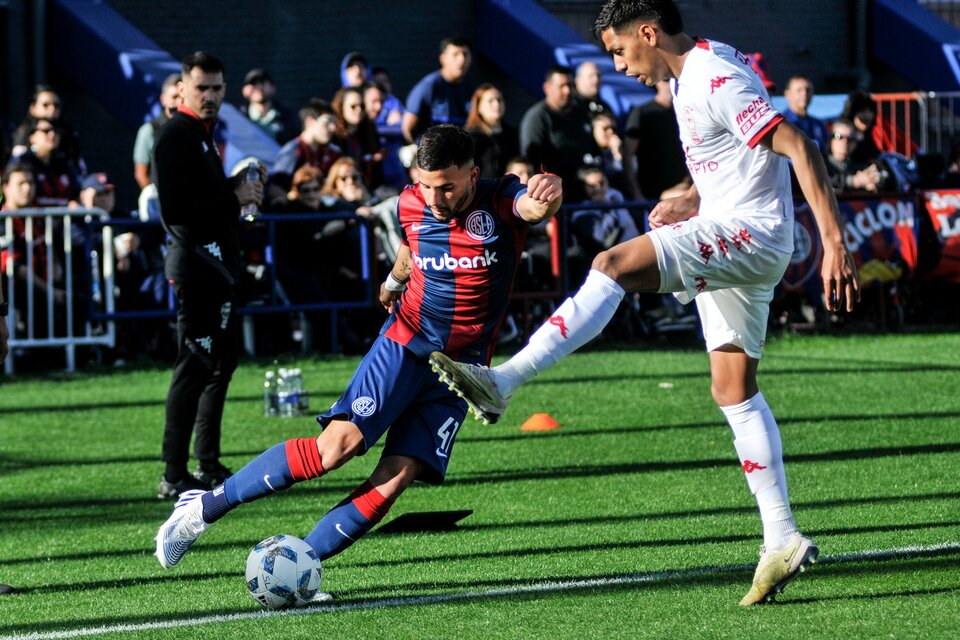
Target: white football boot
column 473, row 383
column 181, row 529
column 777, row 567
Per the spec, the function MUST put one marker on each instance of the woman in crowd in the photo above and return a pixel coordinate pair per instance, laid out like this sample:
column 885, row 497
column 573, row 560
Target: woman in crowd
column 496, row 141
column 356, row 135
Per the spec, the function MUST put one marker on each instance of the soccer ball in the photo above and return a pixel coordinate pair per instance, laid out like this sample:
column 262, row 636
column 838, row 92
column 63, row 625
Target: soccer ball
column 283, row 571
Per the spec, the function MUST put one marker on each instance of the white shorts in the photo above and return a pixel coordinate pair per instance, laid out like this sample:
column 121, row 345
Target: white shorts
column 727, row 268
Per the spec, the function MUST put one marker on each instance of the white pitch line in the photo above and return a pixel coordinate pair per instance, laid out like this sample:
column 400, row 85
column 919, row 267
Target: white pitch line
column 538, row 587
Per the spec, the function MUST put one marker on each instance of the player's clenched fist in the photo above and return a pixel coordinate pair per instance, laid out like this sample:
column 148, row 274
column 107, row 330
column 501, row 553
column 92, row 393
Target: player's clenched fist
column 544, row 187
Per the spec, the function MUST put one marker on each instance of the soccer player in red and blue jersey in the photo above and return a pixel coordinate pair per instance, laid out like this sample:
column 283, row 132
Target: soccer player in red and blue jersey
column 448, row 291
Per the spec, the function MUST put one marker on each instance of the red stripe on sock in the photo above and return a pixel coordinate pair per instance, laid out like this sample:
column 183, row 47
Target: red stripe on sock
column 303, row 458
column 370, row 502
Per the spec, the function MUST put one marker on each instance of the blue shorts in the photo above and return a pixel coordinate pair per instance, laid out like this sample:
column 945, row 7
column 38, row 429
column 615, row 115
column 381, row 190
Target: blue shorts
column 396, row 390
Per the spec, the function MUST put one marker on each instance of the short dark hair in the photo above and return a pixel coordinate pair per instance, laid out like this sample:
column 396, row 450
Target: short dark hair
column 443, row 146
column 843, row 122
column 35, row 122
column 207, row 62
column 314, row 108
column 16, row 166
column 355, row 58
column 454, row 41
column 557, row 70
column 617, row 14
column 172, row 80
column 42, row 88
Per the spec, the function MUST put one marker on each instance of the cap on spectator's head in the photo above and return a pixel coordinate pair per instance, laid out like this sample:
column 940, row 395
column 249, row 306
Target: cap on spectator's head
column 759, row 64
column 99, row 182
column 255, row 76
column 355, row 58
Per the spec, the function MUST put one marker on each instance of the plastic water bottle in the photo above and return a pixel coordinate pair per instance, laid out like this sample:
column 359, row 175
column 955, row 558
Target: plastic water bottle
column 251, row 174
column 286, row 395
column 95, row 293
column 296, row 388
column 303, row 406
column 270, row 393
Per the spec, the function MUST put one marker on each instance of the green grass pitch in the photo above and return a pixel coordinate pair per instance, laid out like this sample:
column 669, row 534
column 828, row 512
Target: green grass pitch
column 631, row 520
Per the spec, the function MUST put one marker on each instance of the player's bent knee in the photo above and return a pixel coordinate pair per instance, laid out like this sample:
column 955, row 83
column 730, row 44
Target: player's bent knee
column 393, row 474
column 339, row 442
column 607, row 263
column 632, row 265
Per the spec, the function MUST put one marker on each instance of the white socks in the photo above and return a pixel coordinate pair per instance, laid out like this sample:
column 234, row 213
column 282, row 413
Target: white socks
column 574, row 323
column 757, row 441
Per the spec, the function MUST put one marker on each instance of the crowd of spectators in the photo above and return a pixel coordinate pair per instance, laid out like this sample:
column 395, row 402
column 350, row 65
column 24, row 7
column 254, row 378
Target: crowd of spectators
column 353, row 152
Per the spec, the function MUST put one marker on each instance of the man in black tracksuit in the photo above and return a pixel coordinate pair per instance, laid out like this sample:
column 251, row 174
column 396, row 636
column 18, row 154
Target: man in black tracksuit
column 200, row 210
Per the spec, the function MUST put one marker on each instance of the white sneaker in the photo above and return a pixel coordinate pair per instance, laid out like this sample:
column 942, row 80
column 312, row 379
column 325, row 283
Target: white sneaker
column 473, row 383
column 181, row 529
column 777, row 567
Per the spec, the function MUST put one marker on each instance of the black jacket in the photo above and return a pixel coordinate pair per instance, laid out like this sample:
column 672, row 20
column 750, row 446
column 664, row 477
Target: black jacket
column 198, row 206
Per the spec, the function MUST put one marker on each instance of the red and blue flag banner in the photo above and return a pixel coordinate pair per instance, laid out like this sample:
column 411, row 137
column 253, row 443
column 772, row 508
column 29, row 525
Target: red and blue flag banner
column 881, row 233
column 943, row 207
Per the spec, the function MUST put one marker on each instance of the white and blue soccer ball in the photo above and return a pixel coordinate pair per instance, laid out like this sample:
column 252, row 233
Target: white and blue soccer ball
column 283, row 571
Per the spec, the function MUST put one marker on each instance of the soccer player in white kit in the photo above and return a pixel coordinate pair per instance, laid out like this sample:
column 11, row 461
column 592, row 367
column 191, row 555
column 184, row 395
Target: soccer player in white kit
column 725, row 244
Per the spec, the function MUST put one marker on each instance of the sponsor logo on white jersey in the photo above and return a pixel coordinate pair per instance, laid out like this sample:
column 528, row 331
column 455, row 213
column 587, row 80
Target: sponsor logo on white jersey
column 698, row 167
column 752, row 114
column 446, row 262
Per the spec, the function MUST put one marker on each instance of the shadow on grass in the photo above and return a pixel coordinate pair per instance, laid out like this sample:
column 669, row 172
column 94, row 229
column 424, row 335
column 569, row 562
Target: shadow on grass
column 525, row 589
column 14, row 509
column 870, row 596
column 243, row 546
column 858, row 367
column 9, row 464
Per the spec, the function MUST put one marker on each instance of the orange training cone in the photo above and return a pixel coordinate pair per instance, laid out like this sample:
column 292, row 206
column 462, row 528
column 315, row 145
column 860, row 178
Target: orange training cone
column 539, row 422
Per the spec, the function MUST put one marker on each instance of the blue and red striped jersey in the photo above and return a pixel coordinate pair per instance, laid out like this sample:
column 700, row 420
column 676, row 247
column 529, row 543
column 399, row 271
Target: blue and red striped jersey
column 463, row 272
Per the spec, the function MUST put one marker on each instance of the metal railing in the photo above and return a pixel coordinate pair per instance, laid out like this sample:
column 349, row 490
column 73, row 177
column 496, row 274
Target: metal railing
column 919, row 122
column 40, row 259
column 275, row 299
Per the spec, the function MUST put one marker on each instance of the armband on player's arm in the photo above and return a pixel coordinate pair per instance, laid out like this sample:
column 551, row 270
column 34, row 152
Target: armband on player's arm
column 392, row 284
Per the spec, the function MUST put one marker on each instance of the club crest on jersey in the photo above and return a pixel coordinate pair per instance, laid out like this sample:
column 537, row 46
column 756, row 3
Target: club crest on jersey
column 480, row 226
column 691, row 123
column 364, row 406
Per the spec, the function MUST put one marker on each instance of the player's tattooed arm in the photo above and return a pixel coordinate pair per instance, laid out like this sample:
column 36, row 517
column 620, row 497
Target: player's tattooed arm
column 403, row 266
column 396, row 282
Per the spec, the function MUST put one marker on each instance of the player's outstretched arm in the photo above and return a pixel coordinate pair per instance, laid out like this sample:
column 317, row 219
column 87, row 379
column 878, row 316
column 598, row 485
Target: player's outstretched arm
column 392, row 288
column 543, row 198
column 841, row 282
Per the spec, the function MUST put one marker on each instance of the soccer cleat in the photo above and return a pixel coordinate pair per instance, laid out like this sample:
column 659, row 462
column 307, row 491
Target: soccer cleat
column 181, row 529
column 318, row 597
column 474, row 384
column 778, row 567
column 212, row 474
column 171, row 490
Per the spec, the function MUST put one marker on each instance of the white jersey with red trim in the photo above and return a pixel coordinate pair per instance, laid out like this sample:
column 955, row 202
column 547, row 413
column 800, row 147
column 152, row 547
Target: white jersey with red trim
column 723, row 111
